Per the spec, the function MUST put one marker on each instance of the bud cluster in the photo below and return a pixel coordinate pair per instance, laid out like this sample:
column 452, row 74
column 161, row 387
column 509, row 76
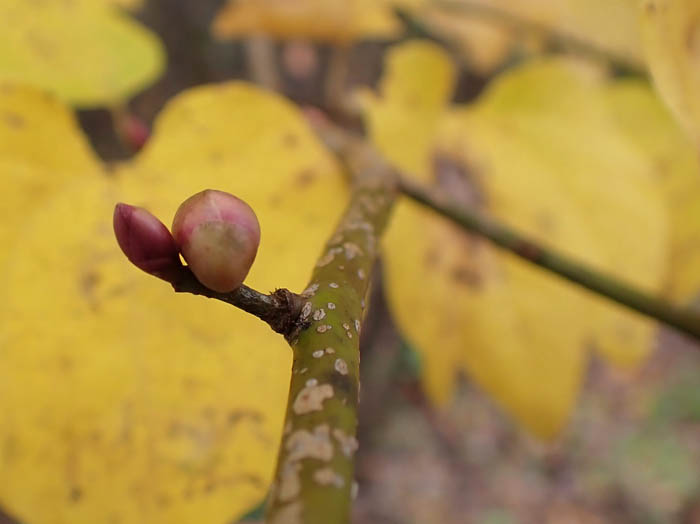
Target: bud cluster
column 215, row 232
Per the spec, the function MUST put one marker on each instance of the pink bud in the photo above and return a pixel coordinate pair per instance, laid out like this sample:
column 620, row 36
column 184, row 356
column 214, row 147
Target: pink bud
column 133, row 131
column 146, row 242
column 218, row 234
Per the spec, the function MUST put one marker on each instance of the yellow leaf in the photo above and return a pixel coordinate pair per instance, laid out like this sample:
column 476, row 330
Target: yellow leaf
column 127, row 4
column 87, row 53
column 484, row 44
column 417, row 84
column 610, row 25
column 643, row 118
column 337, row 21
column 31, row 126
column 31, row 165
column 671, row 31
column 120, row 400
column 540, row 152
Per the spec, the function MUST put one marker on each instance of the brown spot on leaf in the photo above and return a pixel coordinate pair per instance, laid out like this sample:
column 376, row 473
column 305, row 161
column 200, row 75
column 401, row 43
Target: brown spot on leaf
column 237, row 416
column 692, row 39
column 89, row 280
column 13, row 120
column 75, row 494
column 465, row 276
column 305, row 179
column 432, row 258
column 290, row 140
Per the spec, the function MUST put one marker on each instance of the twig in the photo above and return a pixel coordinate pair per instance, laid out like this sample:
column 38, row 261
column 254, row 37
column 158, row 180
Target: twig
column 336, row 77
column 315, row 467
column 262, row 63
column 684, row 320
column 280, row 309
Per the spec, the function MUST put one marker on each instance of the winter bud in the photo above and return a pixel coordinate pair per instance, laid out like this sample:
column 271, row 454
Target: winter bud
column 218, row 234
column 146, row 242
column 132, row 130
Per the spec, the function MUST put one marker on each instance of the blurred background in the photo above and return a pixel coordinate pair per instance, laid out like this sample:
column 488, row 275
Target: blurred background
column 631, row 453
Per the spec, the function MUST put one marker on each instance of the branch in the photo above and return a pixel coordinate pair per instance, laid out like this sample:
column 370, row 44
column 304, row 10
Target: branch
column 337, row 73
column 684, row 320
column 314, row 476
column 280, row 309
column 262, row 62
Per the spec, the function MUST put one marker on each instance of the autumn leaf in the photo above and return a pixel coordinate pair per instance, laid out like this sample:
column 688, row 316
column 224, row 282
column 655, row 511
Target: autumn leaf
column 540, row 152
column 88, row 53
column 671, row 31
column 31, row 167
column 484, row 43
column 336, row 21
column 127, row 4
column 120, row 400
column 643, row 118
column 609, row 25
column 416, row 86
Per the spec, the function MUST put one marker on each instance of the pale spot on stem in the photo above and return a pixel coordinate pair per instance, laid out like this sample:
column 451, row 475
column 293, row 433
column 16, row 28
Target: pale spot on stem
column 348, row 443
column 341, row 366
column 328, row 477
column 311, row 398
column 304, row 444
column 290, row 484
column 289, row 514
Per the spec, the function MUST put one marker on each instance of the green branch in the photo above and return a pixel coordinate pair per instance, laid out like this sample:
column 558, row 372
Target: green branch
column 315, row 467
column 684, row 320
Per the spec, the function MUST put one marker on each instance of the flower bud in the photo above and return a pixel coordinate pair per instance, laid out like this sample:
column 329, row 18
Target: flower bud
column 146, row 242
column 218, row 234
column 132, row 130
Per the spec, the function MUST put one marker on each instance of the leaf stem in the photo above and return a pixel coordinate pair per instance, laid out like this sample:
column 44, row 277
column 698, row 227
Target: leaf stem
column 280, row 309
column 684, row 320
column 315, row 467
column 336, row 76
column 262, row 61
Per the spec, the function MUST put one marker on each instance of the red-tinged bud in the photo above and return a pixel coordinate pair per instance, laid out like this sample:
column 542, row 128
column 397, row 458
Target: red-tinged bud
column 133, row 131
column 218, row 234
column 146, row 242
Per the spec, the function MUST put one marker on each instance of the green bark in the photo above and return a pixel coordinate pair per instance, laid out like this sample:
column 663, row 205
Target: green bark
column 314, row 478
